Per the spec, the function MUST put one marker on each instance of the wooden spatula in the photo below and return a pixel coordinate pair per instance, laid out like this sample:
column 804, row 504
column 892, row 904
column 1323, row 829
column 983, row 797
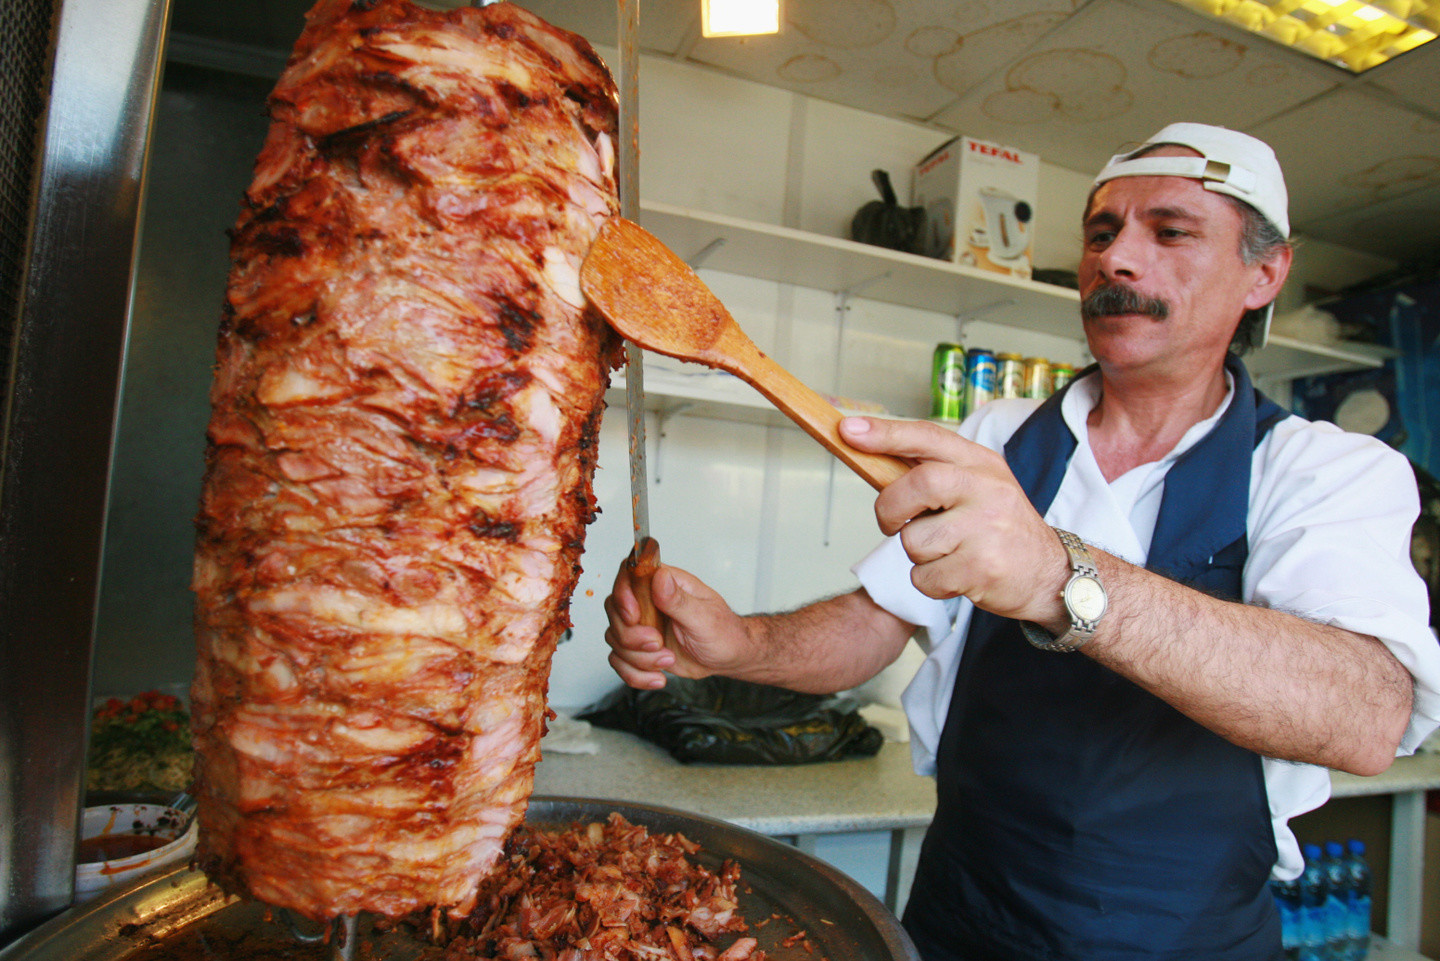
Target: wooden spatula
column 652, row 297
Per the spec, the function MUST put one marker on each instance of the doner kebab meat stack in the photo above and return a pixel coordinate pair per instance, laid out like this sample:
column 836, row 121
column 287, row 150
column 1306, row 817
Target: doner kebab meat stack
column 405, row 415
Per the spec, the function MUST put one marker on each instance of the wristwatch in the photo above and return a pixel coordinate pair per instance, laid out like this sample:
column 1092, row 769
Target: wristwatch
column 1084, row 598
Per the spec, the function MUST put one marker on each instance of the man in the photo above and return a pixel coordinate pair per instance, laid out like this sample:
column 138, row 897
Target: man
column 1118, row 705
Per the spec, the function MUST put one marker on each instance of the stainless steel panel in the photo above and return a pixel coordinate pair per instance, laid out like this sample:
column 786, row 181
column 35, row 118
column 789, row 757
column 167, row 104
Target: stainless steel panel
column 65, row 359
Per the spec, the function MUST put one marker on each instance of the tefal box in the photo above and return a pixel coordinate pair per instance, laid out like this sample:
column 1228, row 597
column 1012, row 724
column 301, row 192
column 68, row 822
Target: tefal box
column 979, row 200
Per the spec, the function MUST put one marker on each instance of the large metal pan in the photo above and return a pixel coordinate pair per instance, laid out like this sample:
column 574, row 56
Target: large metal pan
column 177, row 915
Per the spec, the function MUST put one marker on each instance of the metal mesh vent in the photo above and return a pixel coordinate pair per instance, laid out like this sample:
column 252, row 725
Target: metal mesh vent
column 25, row 27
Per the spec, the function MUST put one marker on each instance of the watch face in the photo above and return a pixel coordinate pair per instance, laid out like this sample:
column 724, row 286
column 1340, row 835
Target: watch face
column 1085, row 598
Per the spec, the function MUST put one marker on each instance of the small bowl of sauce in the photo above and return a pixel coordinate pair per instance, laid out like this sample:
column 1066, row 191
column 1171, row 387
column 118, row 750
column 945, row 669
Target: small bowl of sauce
column 119, row 842
column 118, row 847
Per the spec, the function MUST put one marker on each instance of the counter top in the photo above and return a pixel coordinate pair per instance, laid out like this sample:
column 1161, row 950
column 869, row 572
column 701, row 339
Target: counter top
column 861, row 794
column 1418, row 772
column 882, row 793
column 877, row 793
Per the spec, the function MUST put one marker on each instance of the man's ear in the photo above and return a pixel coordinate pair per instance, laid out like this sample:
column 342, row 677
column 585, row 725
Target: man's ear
column 1271, row 277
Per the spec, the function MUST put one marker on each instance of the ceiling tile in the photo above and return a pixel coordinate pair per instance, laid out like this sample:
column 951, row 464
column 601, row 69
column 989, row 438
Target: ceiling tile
column 1352, row 148
column 1413, row 77
column 906, row 58
column 1405, row 229
column 1067, row 79
column 1117, row 72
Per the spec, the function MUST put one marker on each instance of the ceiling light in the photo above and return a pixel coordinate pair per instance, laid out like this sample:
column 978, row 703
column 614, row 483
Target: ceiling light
column 739, row 18
column 1348, row 33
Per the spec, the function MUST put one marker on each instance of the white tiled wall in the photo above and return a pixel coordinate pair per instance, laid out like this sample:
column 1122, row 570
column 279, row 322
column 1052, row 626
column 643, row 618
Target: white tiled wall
column 763, row 514
column 712, row 142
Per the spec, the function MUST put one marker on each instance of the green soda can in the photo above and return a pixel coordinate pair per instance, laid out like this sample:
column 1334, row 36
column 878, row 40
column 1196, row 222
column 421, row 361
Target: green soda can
column 1060, row 375
column 947, row 382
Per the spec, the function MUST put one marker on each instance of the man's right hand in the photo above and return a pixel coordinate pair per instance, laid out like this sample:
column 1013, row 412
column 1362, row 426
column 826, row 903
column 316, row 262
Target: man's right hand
column 703, row 636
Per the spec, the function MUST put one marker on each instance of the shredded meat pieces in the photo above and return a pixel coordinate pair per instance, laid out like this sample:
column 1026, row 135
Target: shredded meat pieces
column 405, row 418
column 610, row 891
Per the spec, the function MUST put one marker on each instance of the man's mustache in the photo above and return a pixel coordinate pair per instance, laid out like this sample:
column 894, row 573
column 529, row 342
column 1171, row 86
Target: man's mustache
column 1115, row 299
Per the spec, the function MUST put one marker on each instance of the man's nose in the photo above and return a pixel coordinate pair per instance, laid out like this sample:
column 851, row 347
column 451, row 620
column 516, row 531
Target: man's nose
column 1124, row 256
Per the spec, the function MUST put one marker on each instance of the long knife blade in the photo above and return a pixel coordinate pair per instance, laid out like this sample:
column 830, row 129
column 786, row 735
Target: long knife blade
column 645, row 556
column 629, row 183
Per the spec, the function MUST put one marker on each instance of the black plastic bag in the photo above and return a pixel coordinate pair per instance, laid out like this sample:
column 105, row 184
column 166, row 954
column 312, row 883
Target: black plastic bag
column 884, row 223
column 724, row 721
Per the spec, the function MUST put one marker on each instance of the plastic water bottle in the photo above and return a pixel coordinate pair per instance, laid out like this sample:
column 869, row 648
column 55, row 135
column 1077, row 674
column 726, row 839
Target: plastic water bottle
column 1359, row 895
column 1338, row 924
column 1313, row 914
column 1287, row 903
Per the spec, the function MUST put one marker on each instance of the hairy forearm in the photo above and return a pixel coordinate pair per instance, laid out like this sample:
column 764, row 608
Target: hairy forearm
column 1266, row 680
column 830, row 645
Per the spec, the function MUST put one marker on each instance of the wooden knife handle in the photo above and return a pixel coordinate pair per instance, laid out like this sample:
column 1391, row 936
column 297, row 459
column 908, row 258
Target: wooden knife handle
column 641, row 564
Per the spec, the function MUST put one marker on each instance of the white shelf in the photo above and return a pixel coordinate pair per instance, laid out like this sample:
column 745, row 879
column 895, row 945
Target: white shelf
column 784, row 255
column 704, row 393
column 1285, row 357
column 699, row 392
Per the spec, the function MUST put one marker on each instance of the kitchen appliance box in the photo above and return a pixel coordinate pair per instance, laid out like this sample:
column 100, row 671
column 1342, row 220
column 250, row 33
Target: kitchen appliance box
column 979, row 199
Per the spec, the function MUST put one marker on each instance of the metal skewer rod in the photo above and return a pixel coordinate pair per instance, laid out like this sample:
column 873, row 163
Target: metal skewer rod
column 342, row 948
column 339, row 933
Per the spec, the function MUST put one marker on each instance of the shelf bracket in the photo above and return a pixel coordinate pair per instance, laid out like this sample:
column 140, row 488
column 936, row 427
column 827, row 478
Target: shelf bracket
column 829, row 504
column 842, row 310
column 704, row 253
column 845, row 293
column 966, row 317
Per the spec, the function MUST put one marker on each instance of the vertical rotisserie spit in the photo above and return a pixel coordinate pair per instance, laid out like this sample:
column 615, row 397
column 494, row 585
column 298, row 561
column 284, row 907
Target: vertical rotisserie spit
column 406, row 408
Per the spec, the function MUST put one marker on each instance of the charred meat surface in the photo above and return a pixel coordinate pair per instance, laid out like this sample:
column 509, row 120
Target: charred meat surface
column 405, row 415
column 608, row 890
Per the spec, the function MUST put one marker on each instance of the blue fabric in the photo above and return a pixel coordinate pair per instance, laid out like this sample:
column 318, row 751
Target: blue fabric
column 1078, row 815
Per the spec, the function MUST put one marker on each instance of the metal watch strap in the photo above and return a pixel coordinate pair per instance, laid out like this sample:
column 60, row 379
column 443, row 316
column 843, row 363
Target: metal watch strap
column 1082, row 627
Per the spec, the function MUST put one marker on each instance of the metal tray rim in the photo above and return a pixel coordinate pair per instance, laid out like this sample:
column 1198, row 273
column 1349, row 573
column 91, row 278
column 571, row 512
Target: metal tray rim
column 171, row 898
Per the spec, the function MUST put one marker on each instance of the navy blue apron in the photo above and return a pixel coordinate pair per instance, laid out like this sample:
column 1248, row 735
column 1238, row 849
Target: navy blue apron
column 1078, row 815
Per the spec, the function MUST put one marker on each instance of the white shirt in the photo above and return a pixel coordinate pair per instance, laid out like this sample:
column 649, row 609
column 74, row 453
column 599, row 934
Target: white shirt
column 1329, row 530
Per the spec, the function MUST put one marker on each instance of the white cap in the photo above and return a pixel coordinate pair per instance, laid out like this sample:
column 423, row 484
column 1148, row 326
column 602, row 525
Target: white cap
column 1230, row 162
